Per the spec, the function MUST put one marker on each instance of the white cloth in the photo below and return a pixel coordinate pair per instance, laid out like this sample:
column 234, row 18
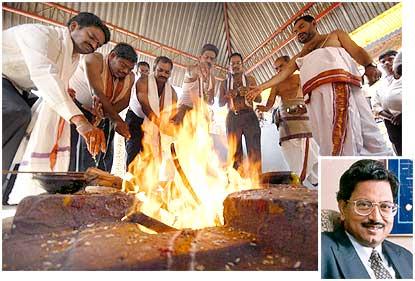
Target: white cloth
column 80, row 83
column 33, row 55
column 381, row 90
column 362, row 136
column 192, row 91
column 364, row 255
column 152, row 135
column 134, row 104
column 294, row 151
column 43, row 129
column 390, row 98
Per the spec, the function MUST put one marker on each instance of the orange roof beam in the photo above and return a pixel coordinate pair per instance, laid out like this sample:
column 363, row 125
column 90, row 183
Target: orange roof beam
column 280, row 29
column 289, row 39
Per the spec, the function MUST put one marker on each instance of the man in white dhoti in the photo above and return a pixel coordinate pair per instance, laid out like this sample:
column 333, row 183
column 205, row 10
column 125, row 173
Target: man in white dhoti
column 157, row 100
column 43, row 57
column 110, row 79
column 296, row 140
column 340, row 117
column 198, row 83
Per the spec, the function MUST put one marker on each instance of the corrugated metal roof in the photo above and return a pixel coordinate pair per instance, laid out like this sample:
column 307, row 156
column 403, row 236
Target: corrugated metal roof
column 187, row 26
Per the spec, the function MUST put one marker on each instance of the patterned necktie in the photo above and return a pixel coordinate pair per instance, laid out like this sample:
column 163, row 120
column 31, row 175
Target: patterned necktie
column 377, row 266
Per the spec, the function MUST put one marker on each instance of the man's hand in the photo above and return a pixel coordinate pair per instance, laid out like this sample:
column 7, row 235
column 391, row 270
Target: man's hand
column 122, row 128
column 253, row 92
column 262, row 108
column 177, row 119
column 93, row 136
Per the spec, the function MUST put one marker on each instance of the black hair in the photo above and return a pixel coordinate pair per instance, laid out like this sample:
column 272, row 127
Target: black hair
column 210, row 47
column 144, row 63
column 85, row 19
column 307, row 18
column 164, row 60
column 235, row 55
column 285, row 58
column 388, row 53
column 364, row 170
column 125, row 51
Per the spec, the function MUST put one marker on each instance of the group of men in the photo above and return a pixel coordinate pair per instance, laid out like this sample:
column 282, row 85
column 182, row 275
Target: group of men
column 322, row 111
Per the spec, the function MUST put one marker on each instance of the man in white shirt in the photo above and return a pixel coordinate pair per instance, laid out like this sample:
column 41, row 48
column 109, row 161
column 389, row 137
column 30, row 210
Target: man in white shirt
column 358, row 249
column 133, row 145
column 387, row 102
column 198, row 83
column 43, row 57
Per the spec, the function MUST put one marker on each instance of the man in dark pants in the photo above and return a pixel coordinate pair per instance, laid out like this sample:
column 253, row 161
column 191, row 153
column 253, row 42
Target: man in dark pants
column 13, row 132
column 241, row 119
column 358, row 248
column 133, row 146
column 42, row 57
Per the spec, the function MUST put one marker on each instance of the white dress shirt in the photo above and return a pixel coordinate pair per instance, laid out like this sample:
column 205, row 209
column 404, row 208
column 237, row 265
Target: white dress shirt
column 364, row 255
column 388, row 96
column 33, row 56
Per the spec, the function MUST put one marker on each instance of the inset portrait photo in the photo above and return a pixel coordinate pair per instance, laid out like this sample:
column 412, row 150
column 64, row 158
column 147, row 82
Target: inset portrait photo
column 366, row 218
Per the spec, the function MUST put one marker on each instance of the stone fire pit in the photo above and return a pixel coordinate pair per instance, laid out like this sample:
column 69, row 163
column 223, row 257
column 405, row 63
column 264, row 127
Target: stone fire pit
column 267, row 229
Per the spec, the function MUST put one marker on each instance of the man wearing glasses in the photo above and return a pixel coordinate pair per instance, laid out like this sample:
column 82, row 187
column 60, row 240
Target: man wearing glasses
column 358, row 248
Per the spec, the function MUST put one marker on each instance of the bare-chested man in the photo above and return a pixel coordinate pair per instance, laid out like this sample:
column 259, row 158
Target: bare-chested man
column 158, row 101
column 241, row 119
column 296, row 140
column 110, row 78
column 341, row 120
column 198, row 83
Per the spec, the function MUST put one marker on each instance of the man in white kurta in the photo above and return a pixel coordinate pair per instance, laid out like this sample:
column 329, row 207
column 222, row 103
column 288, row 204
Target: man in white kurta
column 341, row 119
column 44, row 58
column 198, row 84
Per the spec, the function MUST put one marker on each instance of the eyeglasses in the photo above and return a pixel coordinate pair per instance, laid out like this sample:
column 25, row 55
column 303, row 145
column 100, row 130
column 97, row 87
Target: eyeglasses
column 365, row 207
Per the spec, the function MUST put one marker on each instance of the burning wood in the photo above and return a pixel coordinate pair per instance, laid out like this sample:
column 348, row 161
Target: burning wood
column 183, row 175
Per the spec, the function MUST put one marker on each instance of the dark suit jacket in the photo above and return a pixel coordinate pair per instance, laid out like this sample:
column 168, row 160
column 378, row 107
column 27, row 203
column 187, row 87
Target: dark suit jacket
column 340, row 260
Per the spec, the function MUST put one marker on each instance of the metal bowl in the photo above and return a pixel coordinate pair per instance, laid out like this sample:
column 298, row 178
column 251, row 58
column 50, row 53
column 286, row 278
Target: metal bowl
column 63, row 183
column 284, row 177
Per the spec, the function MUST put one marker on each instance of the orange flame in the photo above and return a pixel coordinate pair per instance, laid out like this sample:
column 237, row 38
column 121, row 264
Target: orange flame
column 158, row 185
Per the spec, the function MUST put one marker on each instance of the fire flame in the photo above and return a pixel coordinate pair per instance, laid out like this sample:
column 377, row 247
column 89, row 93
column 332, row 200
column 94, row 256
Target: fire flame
column 160, row 187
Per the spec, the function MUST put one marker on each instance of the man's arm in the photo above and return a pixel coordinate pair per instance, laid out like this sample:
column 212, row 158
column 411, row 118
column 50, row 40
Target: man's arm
column 356, row 52
column 270, row 101
column 252, row 82
column 142, row 96
column 40, row 48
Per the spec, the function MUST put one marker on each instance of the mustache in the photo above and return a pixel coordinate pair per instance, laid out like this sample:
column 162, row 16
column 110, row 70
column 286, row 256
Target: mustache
column 373, row 223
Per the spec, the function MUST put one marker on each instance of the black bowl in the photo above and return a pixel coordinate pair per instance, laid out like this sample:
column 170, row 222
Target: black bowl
column 283, row 177
column 63, row 183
